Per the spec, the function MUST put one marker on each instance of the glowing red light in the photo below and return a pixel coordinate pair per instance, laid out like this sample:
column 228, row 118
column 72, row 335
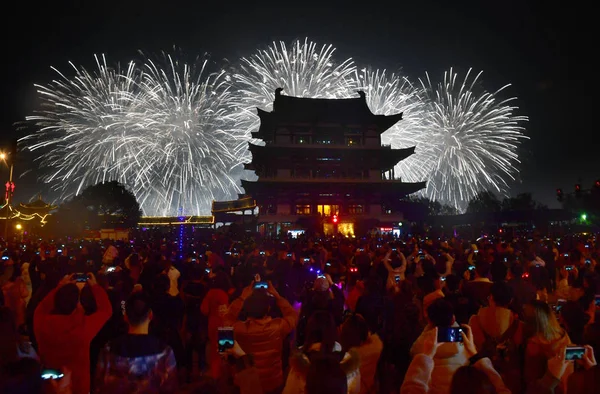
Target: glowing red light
column 335, row 219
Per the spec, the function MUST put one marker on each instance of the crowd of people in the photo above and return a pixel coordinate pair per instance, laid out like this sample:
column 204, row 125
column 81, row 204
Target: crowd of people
column 158, row 314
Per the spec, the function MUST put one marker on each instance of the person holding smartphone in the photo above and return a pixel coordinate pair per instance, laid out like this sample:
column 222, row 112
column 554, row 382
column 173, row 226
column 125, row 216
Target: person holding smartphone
column 64, row 331
column 215, row 305
column 261, row 335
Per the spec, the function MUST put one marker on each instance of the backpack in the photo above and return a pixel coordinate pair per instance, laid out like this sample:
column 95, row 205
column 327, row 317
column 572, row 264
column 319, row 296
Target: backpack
column 505, row 354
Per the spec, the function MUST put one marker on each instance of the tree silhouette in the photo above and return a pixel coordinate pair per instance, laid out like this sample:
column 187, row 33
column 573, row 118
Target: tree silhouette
column 105, row 205
column 485, row 201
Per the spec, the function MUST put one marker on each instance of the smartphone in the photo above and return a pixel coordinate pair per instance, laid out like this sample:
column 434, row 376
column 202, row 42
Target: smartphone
column 207, row 270
column 476, row 251
column 228, row 253
column 225, row 338
column 58, row 250
column 397, row 278
column 262, row 253
column 53, row 374
column 506, row 260
column 471, row 268
column 261, row 285
column 289, row 255
column 443, row 278
column 574, row 353
column 194, row 260
column 306, row 259
column 449, row 334
column 80, row 277
column 393, row 249
column 361, row 249
column 566, row 255
column 588, row 261
column 4, row 257
column 569, row 267
column 111, row 269
column 597, row 300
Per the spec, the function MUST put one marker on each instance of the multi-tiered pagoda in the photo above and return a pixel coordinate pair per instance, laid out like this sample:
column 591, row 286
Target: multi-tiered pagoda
column 323, row 159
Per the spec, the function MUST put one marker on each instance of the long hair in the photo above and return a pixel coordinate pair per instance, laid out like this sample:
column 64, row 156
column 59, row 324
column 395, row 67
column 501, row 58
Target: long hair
column 542, row 322
column 321, row 329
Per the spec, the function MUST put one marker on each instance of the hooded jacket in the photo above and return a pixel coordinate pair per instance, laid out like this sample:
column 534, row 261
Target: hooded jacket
column 299, row 365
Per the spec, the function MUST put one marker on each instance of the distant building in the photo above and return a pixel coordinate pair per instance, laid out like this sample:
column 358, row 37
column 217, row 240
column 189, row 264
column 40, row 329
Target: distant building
column 323, row 163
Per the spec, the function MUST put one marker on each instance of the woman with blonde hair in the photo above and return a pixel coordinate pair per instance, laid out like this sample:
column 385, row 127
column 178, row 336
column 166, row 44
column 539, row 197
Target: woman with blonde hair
column 545, row 340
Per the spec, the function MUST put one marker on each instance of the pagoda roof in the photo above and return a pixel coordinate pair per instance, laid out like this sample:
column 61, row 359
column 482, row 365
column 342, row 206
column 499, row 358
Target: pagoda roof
column 313, row 110
column 38, row 205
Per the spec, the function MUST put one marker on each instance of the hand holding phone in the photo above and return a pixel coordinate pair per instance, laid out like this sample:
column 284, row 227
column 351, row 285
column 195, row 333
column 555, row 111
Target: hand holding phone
column 224, row 338
column 449, row 334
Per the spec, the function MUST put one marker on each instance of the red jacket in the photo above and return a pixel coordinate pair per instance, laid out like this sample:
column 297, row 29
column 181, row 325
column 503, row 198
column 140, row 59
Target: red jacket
column 64, row 340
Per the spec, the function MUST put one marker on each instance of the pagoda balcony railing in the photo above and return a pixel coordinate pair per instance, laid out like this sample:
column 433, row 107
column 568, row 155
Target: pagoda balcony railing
column 328, row 146
column 340, row 179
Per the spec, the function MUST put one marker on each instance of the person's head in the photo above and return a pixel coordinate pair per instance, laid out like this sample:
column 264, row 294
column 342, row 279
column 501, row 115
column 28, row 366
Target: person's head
column 66, row 299
column 354, row 332
column 440, row 313
column 137, row 310
column 452, row 283
column 326, row 376
column 221, row 281
column 501, row 295
column 541, row 321
column 482, row 269
column 516, row 271
column 573, row 317
column 257, row 305
column 470, row 380
column 321, row 329
column 321, row 284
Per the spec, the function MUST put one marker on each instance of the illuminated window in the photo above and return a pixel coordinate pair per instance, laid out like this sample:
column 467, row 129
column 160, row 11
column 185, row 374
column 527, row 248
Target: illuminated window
column 355, row 209
column 302, row 209
column 328, row 210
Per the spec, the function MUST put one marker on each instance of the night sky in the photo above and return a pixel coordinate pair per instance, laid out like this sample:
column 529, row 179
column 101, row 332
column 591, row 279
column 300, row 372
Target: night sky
column 545, row 53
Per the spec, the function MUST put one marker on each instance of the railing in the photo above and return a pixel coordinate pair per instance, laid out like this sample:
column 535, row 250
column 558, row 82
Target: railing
column 235, row 205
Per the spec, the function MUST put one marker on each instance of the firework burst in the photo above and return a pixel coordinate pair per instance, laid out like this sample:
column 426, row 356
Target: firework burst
column 165, row 130
column 302, row 70
column 474, row 137
column 389, row 94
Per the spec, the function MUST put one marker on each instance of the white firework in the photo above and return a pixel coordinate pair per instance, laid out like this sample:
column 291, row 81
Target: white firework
column 167, row 132
column 389, row 94
column 474, row 136
column 302, row 70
